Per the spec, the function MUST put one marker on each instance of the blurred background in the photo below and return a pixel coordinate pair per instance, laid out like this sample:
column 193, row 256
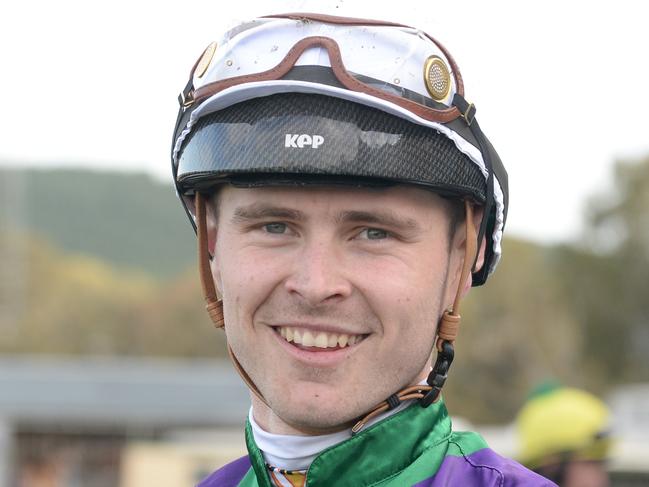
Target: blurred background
column 110, row 371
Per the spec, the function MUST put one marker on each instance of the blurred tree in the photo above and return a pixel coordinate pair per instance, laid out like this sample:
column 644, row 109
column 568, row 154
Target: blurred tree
column 516, row 331
column 577, row 313
column 76, row 304
column 175, row 321
column 608, row 285
column 619, row 220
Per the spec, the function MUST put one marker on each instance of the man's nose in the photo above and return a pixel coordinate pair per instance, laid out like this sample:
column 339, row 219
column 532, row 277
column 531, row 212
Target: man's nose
column 318, row 275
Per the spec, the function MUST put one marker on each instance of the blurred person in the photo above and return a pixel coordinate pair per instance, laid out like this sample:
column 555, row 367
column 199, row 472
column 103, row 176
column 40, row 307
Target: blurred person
column 564, row 436
column 345, row 200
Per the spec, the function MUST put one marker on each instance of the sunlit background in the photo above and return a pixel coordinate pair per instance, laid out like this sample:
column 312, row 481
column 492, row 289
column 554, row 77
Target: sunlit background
column 110, row 371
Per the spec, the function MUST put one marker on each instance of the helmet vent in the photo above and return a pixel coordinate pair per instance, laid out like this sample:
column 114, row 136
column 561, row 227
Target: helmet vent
column 437, row 78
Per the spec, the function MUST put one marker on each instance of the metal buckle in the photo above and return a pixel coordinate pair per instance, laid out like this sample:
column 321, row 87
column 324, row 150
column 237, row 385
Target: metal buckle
column 186, row 101
column 469, row 114
column 186, row 97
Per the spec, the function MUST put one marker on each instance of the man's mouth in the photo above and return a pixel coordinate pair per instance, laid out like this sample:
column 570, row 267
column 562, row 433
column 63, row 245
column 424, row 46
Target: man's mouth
column 318, row 339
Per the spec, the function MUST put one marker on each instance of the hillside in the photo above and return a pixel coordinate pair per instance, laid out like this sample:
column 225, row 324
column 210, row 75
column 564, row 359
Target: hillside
column 128, row 220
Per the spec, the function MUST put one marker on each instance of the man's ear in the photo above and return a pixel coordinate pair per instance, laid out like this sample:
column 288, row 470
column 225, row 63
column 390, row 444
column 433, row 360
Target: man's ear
column 477, row 219
column 478, row 213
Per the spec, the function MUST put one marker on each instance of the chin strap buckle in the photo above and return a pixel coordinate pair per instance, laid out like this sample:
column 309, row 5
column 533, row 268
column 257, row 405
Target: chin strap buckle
column 438, row 375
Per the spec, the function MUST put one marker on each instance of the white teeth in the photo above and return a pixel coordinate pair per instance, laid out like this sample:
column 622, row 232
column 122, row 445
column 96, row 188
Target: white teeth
column 307, row 339
column 321, row 340
column 318, row 339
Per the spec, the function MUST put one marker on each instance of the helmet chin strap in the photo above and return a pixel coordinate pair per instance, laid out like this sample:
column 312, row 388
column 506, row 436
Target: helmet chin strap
column 446, row 331
column 214, row 305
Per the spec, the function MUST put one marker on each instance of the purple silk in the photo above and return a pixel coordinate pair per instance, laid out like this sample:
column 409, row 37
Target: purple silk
column 228, row 476
column 483, row 467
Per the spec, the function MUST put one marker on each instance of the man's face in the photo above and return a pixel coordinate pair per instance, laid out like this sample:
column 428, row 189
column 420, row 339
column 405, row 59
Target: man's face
column 332, row 295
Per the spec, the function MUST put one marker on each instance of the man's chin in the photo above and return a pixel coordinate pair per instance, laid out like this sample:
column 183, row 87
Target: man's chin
column 320, row 422
column 319, row 413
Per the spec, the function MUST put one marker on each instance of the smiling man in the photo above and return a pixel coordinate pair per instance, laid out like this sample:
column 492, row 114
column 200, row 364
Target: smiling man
column 345, row 200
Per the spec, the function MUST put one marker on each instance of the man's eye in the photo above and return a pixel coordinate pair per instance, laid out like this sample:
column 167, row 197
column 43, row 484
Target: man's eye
column 375, row 233
column 278, row 228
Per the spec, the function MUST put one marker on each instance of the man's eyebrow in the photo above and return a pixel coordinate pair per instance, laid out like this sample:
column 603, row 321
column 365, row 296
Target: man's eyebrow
column 382, row 217
column 258, row 211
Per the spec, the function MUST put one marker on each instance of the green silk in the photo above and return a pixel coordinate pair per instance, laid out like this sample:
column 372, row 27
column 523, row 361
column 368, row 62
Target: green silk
column 258, row 464
column 250, row 480
column 400, row 450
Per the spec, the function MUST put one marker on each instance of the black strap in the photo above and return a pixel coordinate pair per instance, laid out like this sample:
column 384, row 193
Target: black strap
column 468, row 114
column 467, row 109
column 184, row 112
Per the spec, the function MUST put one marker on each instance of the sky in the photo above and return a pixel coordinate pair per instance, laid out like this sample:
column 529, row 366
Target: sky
column 560, row 87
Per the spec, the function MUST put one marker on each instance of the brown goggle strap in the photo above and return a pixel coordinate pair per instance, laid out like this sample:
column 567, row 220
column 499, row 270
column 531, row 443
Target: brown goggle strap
column 214, row 305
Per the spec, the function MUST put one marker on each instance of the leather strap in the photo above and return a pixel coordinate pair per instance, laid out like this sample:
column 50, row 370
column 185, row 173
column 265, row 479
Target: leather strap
column 450, row 324
column 214, row 305
column 412, row 392
column 246, row 378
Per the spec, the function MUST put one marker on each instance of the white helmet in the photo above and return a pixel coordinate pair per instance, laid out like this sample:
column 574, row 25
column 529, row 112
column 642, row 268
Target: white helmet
column 379, row 101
